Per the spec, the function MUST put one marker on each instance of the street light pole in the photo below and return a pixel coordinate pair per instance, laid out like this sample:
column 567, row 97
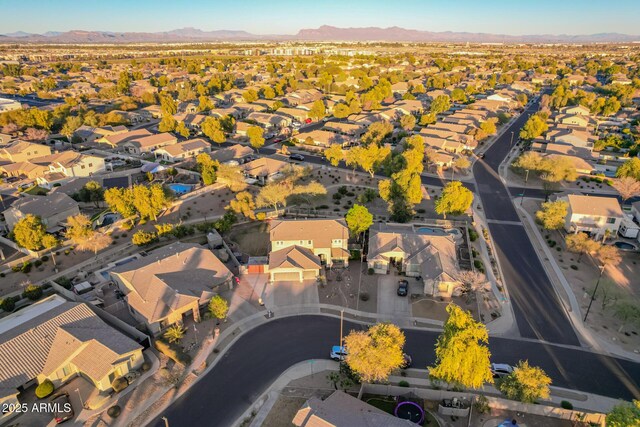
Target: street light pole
column 341, row 321
column 80, row 396
column 526, row 179
column 511, row 143
column 593, row 295
column 166, row 421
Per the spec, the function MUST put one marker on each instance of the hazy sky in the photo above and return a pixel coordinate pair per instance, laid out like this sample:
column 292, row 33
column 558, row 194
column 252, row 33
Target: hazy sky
column 287, row 17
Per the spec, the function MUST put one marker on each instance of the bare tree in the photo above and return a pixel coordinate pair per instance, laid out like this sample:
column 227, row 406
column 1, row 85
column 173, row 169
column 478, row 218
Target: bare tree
column 627, row 186
column 472, row 282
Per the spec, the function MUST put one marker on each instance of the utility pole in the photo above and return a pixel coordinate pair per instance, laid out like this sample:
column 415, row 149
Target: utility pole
column 593, row 295
column 526, row 179
column 341, row 321
column 511, row 143
column 166, row 421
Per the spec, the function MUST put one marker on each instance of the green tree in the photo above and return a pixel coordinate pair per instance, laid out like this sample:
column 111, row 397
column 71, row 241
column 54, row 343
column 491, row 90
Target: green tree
column 232, row 177
column 630, row 168
column 334, row 154
column 207, row 167
column 149, row 201
column 120, row 200
column 82, row 234
column 489, row 126
column 625, row 414
column 71, row 124
column 124, row 81
column 462, row 163
column 408, row 122
column 273, row 194
column 212, row 128
column 535, row 126
column 254, row 133
column 204, row 103
column 174, row 333
column 143, row 238
column 358, row 219
column 250, row 95
column 182, row 130
column 244, row 204
column 340, row 111
column 627, row 312
column 377, row 132
column 454, row 199
column 441, row 104
column 526, row 383
column 218, row 307
column 369, row 158
column 91, row 192
column 318, row 110
column 581, row 243
column 167, row 105
column 552, row 215
column 30, row 233
column 167, row 124
column 375, row 353
column 462, row 355
column 427, row 119
column 458, row 95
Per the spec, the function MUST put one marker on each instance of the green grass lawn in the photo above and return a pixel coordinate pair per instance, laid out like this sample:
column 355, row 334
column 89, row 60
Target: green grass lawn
column 386, row 405
column 36, row 190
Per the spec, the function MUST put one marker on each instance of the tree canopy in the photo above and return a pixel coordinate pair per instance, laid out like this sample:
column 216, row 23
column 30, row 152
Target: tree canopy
column 462, row 355
column 375, row 353
column 358, row 219
column 552, row 215
column 526, row 383
column 31, row 233
column 455, row 199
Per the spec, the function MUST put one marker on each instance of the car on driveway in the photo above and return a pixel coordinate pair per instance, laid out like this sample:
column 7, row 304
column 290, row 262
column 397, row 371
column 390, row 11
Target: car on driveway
column 338, row 353
column 403, row 288
column 62, row 407
column 297, row 157
column 500, row 370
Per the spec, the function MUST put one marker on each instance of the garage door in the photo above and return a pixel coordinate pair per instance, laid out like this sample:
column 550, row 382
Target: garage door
column 309, row 274
column 286, row 276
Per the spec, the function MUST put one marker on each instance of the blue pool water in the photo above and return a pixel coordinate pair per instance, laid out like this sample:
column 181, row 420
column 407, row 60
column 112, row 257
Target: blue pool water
column 180, row 188
column 431, row 231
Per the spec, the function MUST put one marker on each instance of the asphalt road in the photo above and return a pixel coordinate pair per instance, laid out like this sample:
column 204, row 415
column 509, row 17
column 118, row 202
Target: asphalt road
column 538, row 311
column 259, row 357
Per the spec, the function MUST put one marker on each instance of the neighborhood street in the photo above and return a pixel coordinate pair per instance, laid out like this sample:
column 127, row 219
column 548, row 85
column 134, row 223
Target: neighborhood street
column 248, row 368
column 538, row 311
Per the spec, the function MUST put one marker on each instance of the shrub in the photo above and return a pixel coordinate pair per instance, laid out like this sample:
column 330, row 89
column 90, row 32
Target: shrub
column 173, row 352
column 114, row 411
column 364, row 296
column 322, row 207
column 45, row 258
column 479, row 265
column 337, row 196
column 261, row 216
column 566, row 405
column 44, row 389
column 473, row 235
column 574, row 267
column 26, row 267
column 343, row 190
column 33, row 292
column 7, row 304
column 37, row 263
column 119, row 384
column 370, row 271
column 64, row 282
column 403, row 383
column 145, row 366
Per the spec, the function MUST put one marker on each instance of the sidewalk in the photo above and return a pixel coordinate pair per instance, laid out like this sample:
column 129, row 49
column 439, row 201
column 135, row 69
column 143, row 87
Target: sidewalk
column 417, row 378
column 566, row 295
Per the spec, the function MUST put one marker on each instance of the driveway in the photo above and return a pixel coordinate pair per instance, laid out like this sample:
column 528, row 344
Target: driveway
column 280, row 294
column 390, row 305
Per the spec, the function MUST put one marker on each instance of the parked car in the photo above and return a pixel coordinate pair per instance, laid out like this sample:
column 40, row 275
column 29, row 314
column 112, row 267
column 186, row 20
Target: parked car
column 407, row 361
column 338, row 353
column 403, row 288
column 278, row 139
column 296, row 156
column 62, row 407
column 500, row 370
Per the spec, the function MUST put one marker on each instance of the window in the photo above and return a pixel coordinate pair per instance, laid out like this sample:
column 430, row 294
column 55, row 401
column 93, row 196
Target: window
column 611, row 220
column 90, row 165
column 81, row 166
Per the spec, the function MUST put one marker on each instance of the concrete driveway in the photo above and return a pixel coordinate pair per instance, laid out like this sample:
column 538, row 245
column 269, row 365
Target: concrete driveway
column 280, row 294
column 389, row 303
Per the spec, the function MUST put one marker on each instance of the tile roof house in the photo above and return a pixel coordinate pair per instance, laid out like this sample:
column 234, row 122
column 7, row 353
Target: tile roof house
column 264, row 169
column 23, row 151
column 430, row 256
column 117, row 139
column 235, row 152
column 343, row 410
column 57, row 340
column 293, row 263
column 325, row 239
column 53, row 209
column 147, row 144
column 183, row 150
column 596, row 215
column 171, row 282
column 322, row 138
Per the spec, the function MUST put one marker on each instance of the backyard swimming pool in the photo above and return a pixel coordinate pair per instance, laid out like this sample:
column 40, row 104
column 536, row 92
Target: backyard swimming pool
column 180, row 188
column 431, row 231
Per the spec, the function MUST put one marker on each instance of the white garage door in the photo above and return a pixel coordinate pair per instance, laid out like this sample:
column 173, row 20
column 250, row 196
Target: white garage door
column 286, row 276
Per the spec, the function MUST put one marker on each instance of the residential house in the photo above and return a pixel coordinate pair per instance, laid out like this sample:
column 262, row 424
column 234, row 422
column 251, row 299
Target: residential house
column 183, row 150
column 23, row 151
column 572, row 120
column 293, row 263
column 343, row 410
column 170, row 283
column 23, row 169
column 270, row 122
column 236, row 153
column 294, row 113
column 57, row 340
column 430, row 256
column 148, row 144
column 263, row 169
column 322, row 138
column 53, row 209
column 117, row 139
column 597, row 215
column 326, row 239
column 579, row 110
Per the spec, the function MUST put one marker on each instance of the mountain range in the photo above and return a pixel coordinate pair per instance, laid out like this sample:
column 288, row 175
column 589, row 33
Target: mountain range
column 325, row 32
